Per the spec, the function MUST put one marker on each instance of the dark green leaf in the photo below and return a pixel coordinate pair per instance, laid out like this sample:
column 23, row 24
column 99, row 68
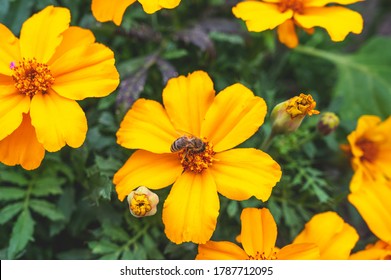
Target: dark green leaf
column 14, row 177
column 47, row 186
column 9, row 211
column 115, row 233
column 22, row 233
column 9, row 193
column 103, row 246
column 46, row 209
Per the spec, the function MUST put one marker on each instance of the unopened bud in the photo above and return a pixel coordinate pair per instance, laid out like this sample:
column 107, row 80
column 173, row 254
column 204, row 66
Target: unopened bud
column 287, row 116
column 328, row 122
column 142, row 202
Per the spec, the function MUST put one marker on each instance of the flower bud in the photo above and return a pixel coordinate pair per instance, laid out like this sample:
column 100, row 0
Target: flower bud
column 287, row 116
column 328, row 122
column 142, row 202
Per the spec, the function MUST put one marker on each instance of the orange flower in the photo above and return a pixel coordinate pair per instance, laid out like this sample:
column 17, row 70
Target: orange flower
column 41, row 76
column 105, row 10
column 258, row 237
column 370, row 150
column 261, row 15
column 189, row 142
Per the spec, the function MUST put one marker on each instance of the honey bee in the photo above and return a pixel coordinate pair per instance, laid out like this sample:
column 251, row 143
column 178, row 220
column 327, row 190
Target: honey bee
column 189, row 143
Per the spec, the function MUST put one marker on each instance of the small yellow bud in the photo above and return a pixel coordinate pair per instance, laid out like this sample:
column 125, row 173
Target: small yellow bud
column 328, row 122
column 142, row 202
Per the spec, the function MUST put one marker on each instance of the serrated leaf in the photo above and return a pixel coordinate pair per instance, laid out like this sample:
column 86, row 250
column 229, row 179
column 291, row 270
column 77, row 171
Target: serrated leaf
column 14, row 177
column 22, row 233
column 9, row 193
column 103, row 246
column 47, row 186
column 46, row 209
column 10, row 211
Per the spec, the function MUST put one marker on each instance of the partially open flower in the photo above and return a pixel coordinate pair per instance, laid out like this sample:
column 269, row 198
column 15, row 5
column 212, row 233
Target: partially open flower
column 143, row 202
column 328, row 123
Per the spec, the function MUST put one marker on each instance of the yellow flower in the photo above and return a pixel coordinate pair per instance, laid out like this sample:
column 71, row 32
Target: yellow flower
column 378, row 251
column 334, row 237
column 41, row 76
column 261, row 15
column 192, row 111
column 370, row 150
column 143, row 202
column 258, row 238
column 113, row 10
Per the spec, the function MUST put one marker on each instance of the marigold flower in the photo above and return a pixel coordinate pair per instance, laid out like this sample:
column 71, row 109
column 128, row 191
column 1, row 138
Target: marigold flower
column 143, row 202
column 41, row 76
column 370, row 150
column 258, row 238
column 221, row 122
column 261, row 15
column 105, row 10
column 334, row 237
column 327, row 123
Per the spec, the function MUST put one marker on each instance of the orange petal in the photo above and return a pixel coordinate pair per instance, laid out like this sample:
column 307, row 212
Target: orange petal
column 12, row 106
column 114, row 10
column 58, row 121
column 41, row 33
column 191, row 209
column 260, row 16
column 287, row 34
column 302, row 251
column 222, row 250
column 234, row 116
column 187, row 100
column 10, row 50
column 22, row 147
column 334, row 237
column 321, row 3
column 242, row 173
column 146, row 126
column 155, row 171
column 85, row 71
column 259, row 231
column 378, row 251
column 338, row 21
column 152, row 6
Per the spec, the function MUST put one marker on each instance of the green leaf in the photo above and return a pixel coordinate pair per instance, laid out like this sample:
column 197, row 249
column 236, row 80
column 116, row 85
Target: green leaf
column 22, row 233
column 9, row 193
column 13, row 177
column 115, row 233
column 47, row 186
column 8, row 212
column 103, row 246
column 232, row 208
column 46, row 209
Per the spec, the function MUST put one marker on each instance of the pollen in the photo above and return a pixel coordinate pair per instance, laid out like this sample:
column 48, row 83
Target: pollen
column 263, row 256
column 197, row 161
column 369, row 148
column 31, row 77
column 295, row 5
column 301, row 105
column 139, row 205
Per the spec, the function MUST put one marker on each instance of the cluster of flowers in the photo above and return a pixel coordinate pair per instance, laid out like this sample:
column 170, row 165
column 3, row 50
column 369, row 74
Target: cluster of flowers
column 190, row 142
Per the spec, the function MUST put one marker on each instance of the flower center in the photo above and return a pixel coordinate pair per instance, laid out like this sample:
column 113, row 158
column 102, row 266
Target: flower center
column 197, row 161
column 140, row 205
column 301, row 105
column 369, row 149
column 262, row 256
column 31, row 77
column 295, row 5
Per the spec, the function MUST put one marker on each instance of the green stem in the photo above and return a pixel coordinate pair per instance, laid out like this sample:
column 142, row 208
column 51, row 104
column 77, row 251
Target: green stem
column 28, row 194
column 335, row 58
column 267, row 142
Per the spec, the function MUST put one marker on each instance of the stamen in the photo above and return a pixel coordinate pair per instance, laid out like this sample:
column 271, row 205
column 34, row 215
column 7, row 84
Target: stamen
column 295, row 5
column 301, row 105
column 262, row 256
column 139, row 205
column 197, row 161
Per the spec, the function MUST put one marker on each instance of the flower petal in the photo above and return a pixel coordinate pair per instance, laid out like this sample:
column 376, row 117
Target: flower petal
column 287, row 34
column 114, row 10
column 378, row 251
column 10, row 50
column 242, row 173
column 22, row 147
column 259, row 231
column 302, row 251
column 146, row 126
column 321, row 3
column 151, row 6
column 187, row 100
column 222, row 250
column 85, row 71
column 41, row 33
column 338, row 21
column 334, row 237
column 58, row 121
column 260, row 16
column 234, row 116
column 155, row 171
column 12, row 107
column 191, row 209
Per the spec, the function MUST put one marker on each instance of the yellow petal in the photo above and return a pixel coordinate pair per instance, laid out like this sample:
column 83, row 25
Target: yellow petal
column 334, row 237
column 187, row 100
column 41, row 33
column 146, row 126
column 151, row 6
column 85, row 71
column 287, row 34
column 114, row 10
column 260, row 16
column 259, row 231
column 378, row 251
column 191, row 208
column 222, row 250
column 155, row 171
column 234, row 116
column 10, row 50
column 321, row 3
column 22, row 147
column 242, row 173
column 58, row 121
column 338, row 21
column 373, row 204
column 12, row 106
column 302, row 251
